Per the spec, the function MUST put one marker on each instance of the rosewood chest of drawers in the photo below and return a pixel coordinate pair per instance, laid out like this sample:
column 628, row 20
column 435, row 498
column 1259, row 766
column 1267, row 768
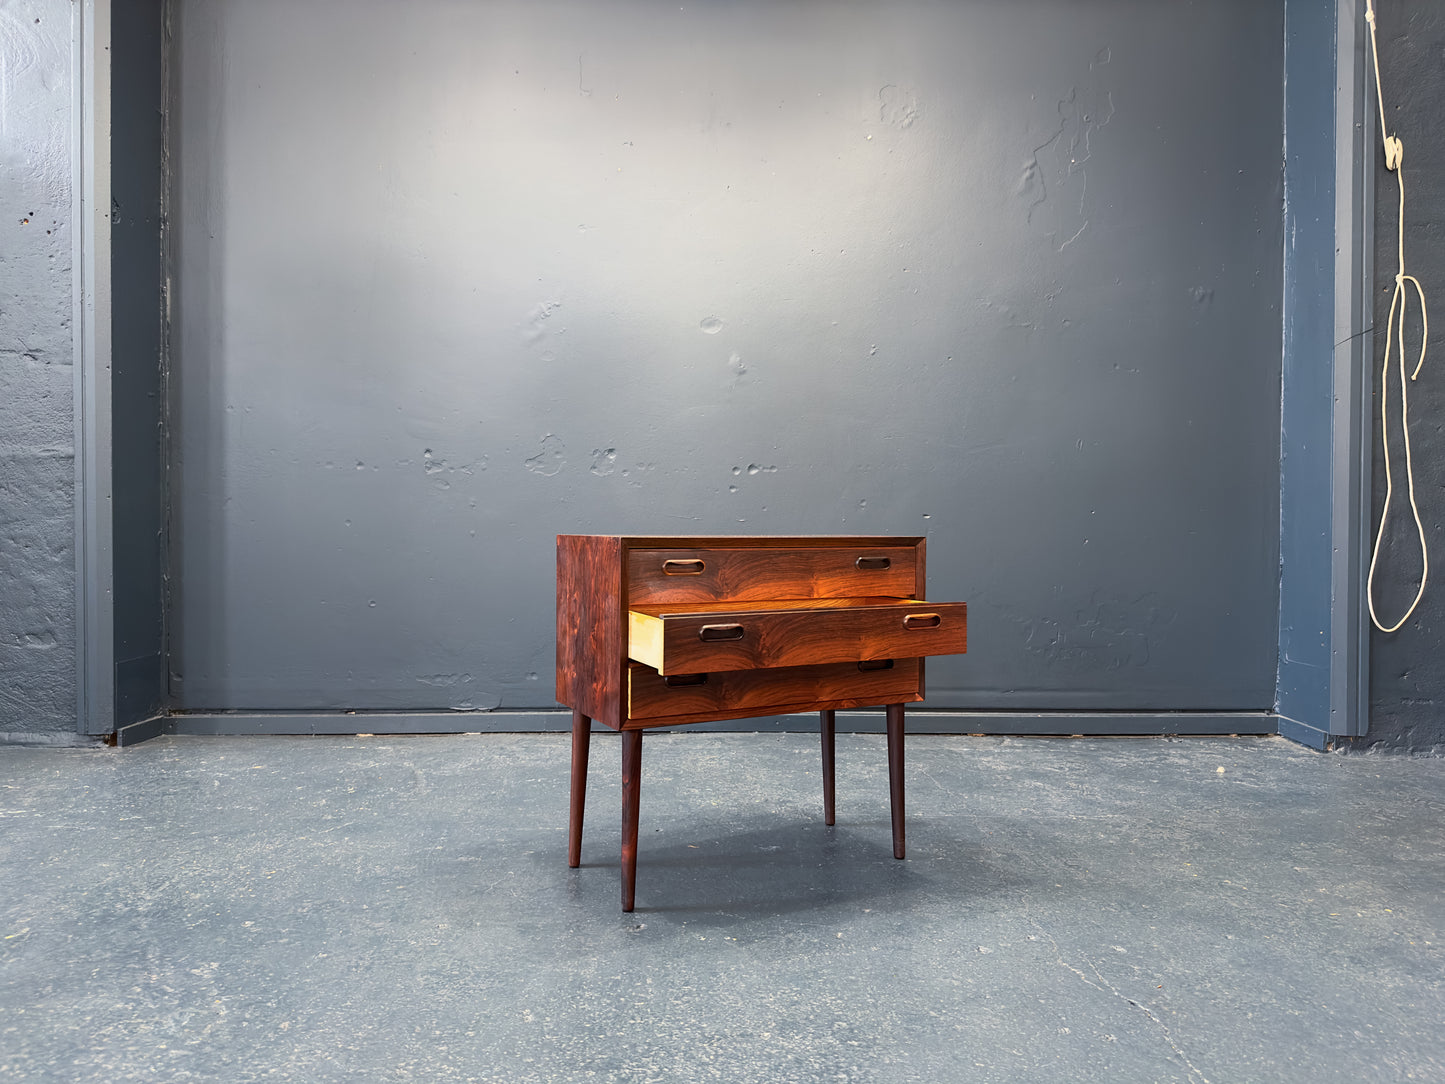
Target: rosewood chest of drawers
column 661, row 632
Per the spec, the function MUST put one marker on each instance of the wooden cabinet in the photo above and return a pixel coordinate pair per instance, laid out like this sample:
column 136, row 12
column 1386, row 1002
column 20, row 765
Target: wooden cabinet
column 656, row 632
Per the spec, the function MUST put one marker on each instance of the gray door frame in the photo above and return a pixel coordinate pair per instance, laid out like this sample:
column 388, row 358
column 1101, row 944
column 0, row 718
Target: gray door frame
column 91, row 270
column 1323, row 685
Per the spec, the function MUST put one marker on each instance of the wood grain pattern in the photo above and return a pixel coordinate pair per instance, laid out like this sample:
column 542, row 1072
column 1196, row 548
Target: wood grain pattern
column 649, row 697
column 591, row 626
column 801, row 637
column 763, row 541
column 729, row 606
column 808, row 615
column 803, row 708
column 744, row 575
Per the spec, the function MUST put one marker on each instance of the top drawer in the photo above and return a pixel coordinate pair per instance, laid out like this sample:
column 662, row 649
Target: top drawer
column 742, row 575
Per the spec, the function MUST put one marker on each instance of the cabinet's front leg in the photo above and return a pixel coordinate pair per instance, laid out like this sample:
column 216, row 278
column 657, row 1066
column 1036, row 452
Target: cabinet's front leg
column 581, row 740
column 895, row 774
column 631, row 800
column 827, row 731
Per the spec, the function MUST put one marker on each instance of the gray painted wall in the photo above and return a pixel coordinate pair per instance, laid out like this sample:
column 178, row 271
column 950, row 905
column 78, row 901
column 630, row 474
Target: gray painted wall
column 1407, row 680
column 37, row 448
column 449, row 284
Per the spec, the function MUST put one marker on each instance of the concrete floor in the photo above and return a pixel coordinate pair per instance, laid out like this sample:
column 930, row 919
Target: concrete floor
column 344, row 909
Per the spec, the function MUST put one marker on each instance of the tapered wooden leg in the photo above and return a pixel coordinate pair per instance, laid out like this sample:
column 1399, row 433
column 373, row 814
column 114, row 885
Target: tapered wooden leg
column 827, row 729
column 581, row 740
column 895, row 774
column 631, row 800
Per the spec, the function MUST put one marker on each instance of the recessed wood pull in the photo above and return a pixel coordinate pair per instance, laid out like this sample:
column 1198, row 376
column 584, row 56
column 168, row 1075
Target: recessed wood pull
column 676, row 567
column 720, row 632
column 873, row 564
column 922, row 621
column 875, row 664
column 683, row 681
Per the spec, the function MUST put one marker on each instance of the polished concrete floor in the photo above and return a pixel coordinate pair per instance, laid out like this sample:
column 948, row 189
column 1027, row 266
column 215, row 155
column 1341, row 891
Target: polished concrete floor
column 400, row 909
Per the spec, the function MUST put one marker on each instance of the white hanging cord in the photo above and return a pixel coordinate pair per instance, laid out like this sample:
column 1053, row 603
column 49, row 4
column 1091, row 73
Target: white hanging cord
column 1394, row 157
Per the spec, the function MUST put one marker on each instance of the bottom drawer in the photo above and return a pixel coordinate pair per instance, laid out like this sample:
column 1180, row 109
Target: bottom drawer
column 652, row 696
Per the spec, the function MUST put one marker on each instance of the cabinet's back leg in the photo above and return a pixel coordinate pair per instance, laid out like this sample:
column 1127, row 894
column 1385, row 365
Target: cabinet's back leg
column 895, row 774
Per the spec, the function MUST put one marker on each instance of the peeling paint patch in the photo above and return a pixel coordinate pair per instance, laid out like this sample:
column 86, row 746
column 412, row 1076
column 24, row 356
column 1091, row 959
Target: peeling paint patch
column 1106, row 635
column 536, row 326
column 485, row 702
column 898, row 107
column 604, row 461
column 710, row 325
column 30, row 55
column 444, row 681
column 1058, row 165
column 438, row 469
column 634, row 474
column 550, row 459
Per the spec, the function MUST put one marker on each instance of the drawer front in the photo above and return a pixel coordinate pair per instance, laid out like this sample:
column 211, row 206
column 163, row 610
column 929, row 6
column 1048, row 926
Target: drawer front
column 725, row 639
column 650, row 696
column 757, row 575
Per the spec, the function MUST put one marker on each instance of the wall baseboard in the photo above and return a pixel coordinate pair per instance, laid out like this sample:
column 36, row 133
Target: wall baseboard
column 921, row 721
column 1305, row 734
column 50, row 739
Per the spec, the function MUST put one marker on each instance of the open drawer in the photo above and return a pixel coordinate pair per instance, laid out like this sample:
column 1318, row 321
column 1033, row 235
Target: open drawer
column 716, row 637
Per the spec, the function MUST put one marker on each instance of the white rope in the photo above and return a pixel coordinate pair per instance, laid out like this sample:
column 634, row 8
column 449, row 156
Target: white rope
column 1394, row 158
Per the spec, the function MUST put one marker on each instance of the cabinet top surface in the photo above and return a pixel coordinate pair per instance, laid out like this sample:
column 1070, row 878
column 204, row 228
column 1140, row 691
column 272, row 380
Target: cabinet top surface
column 724, row 541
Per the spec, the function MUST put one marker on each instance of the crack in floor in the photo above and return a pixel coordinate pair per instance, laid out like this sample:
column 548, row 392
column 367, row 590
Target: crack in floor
column 1104, row 986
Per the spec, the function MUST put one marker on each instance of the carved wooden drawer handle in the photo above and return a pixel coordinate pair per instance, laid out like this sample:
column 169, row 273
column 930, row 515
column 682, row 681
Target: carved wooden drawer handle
column 676, row 567
column 720, row 632
column 922, row 621
column 684, row 681
column 873, row 564
column 875, row 664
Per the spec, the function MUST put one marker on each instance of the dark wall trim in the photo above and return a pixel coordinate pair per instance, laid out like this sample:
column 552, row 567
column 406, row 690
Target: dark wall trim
column 1324, row 447
column 119, row 387
column 90, row 177
column 137, row 386
column 1353, row 349
column 1303, row 733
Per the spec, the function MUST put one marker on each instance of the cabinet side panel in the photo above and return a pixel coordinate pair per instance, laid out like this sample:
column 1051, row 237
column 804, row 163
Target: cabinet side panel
column 590, row 633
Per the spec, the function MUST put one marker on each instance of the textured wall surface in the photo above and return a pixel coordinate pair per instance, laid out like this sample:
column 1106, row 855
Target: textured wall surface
column 37, row 451
column 1005, row 274
column 1407, row 678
